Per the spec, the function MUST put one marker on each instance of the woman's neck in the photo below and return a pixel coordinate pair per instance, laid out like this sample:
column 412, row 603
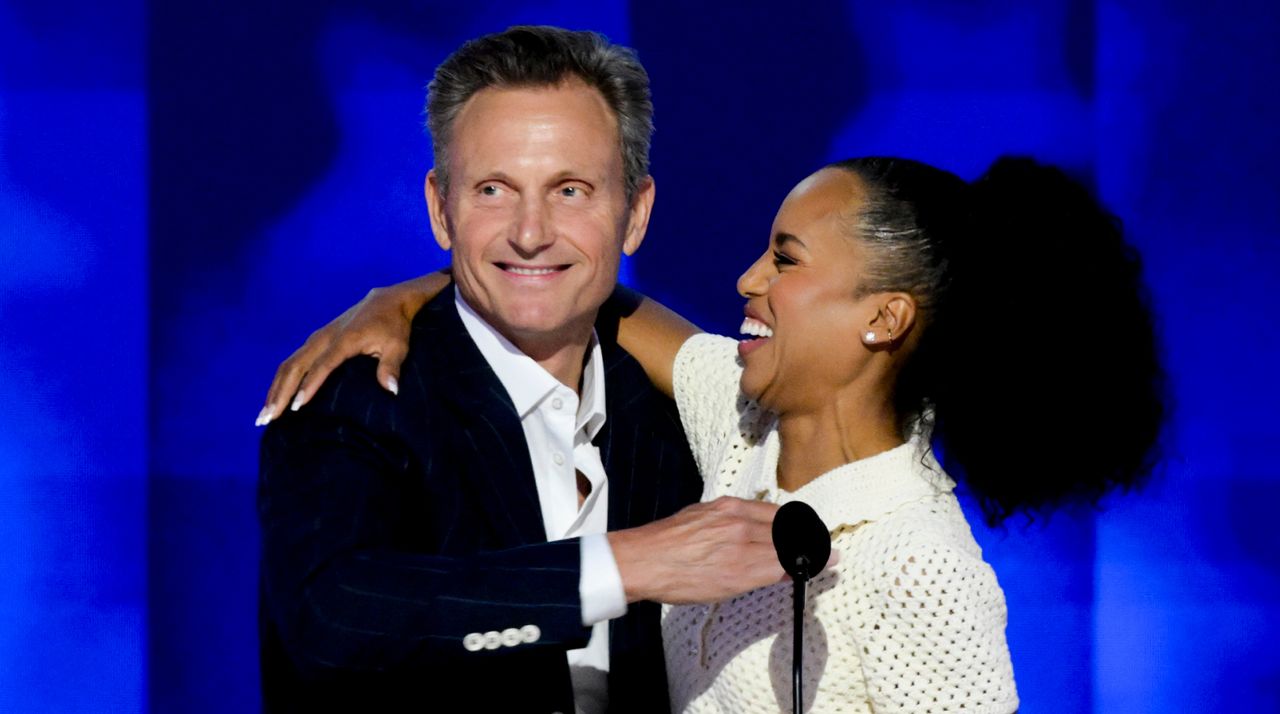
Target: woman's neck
column 839, row 432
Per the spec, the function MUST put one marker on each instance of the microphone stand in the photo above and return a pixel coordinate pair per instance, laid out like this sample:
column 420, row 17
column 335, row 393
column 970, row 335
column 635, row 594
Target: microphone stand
column 797, row 643
column 803, row 544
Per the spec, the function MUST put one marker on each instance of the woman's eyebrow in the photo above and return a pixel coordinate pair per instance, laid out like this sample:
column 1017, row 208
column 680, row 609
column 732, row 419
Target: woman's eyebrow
column 780, row 239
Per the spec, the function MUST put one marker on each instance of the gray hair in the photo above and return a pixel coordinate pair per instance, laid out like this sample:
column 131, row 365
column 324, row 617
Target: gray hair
column 538, row 56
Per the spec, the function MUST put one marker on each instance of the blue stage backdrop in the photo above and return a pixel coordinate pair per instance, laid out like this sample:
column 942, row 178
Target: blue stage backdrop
column 186, row 189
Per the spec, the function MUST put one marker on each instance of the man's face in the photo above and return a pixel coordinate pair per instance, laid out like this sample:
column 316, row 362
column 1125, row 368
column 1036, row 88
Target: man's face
column 536, row 212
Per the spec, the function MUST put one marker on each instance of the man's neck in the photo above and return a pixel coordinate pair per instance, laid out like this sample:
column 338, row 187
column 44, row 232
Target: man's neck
column 561, row 353
column 562, row 356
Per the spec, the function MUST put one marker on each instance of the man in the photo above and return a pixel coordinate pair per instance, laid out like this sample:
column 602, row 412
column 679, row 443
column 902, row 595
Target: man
column 445, row 549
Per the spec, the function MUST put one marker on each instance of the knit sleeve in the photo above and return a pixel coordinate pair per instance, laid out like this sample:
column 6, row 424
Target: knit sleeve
column 705, row 381
column 935, row 638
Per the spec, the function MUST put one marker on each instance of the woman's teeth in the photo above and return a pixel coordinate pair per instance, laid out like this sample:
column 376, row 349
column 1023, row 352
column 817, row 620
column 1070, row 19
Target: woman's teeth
column 755, row 328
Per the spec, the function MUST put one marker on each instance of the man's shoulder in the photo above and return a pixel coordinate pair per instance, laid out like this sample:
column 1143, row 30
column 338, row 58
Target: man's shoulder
column 630, row 398
column 352, row 391
column 438, row 337
column 629, row 392
column 439, row 312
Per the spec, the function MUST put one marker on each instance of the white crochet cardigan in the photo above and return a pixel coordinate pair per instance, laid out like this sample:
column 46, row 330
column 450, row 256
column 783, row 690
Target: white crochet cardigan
column 910, row 620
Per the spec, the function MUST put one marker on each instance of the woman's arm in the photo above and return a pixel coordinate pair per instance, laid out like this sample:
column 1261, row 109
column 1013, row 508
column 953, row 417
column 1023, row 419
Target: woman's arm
column 377, row 326
column 652, row 334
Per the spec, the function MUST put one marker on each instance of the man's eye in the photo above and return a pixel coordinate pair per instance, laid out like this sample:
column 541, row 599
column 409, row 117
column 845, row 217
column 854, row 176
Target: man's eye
column 571, row 192
column 489, row 190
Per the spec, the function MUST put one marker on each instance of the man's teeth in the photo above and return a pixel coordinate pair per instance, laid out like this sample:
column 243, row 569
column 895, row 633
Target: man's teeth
column 530, row 271
column 755, row 328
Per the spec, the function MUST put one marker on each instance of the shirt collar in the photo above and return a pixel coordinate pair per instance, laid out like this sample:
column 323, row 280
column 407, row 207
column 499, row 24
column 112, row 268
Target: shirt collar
column 591, row 411
column 526, row 382
column 864, row 490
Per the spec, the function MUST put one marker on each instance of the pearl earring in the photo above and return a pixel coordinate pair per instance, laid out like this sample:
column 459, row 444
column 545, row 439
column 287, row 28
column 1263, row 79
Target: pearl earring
column 869, row 337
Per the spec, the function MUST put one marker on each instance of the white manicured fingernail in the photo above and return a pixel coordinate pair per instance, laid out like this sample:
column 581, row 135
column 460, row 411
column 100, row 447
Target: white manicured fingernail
column 393, row 386
column 262, row 417
column 297, row 401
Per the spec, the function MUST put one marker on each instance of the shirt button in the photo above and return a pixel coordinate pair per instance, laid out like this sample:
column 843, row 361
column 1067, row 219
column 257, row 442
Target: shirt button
column 492, row 640
column 558, row 458
column 474, row 642
column 530, row 633
column 557, row 403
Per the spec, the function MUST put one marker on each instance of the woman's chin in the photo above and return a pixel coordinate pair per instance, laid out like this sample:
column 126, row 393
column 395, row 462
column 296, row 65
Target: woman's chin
column 750, row 387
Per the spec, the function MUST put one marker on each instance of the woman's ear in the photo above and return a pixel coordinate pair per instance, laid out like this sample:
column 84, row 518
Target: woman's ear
column 894, row 318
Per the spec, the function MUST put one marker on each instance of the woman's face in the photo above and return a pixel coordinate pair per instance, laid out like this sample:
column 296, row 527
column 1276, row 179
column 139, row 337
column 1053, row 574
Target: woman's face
column 803, row 307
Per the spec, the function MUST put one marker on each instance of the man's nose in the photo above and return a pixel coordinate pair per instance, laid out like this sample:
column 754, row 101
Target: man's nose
column 533, row 230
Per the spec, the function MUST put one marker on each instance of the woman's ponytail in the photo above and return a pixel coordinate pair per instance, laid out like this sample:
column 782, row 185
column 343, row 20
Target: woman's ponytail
column 1038, row 367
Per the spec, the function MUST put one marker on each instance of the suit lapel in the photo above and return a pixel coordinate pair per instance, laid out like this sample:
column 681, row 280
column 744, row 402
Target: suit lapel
column 630, row 462
column 487, row 429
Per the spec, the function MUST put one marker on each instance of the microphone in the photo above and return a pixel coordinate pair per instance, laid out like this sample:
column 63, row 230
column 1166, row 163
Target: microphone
column 801, row 539
column 803, row 544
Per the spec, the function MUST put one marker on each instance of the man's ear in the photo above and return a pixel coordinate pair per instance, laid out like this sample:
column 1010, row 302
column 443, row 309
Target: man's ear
column 435, row 206
column 638, row 216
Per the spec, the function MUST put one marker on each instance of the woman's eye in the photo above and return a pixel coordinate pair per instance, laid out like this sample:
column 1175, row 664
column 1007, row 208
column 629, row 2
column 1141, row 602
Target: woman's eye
column 781, row 259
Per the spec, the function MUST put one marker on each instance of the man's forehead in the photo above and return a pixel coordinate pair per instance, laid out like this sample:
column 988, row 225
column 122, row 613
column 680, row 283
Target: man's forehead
column 513, row 125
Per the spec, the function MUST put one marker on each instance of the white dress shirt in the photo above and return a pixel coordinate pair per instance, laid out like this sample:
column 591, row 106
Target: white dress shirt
column 558, row 429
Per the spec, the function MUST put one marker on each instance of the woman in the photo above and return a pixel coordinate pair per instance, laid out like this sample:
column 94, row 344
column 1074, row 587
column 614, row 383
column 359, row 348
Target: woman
column 895, row 305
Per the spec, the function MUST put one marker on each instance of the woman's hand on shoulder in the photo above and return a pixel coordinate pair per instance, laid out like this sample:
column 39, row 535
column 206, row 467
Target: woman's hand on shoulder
column 377, row 326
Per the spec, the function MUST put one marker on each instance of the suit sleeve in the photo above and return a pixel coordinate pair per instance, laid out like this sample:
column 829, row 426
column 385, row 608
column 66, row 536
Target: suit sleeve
column 346, row 593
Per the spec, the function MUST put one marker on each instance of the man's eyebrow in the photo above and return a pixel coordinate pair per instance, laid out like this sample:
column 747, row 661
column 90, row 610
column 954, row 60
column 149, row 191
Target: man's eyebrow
column 567, row 174
column 493, row 176
column 781, row 238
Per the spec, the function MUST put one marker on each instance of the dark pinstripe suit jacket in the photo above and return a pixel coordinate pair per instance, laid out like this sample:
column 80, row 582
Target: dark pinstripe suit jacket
column 394, row 526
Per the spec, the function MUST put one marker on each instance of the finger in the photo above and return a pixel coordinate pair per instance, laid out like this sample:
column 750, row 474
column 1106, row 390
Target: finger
column 283, row 385
column 290, row 373
column 389, row 366
column 762, row 565
column 316, row 374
